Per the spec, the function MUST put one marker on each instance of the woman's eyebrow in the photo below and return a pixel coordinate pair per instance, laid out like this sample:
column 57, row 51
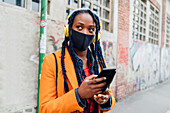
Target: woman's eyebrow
column 80, row 23
column 92, row 25
column 83, row 24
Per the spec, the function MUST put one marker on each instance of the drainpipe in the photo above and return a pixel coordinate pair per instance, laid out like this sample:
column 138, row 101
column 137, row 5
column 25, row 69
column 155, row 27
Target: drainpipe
column 43, row 36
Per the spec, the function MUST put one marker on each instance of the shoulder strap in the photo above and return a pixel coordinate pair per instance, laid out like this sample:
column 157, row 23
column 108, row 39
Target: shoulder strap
column 56, row 67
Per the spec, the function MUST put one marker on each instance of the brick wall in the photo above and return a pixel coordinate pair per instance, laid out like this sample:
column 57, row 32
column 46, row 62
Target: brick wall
column 163, row 22
column 123, row 48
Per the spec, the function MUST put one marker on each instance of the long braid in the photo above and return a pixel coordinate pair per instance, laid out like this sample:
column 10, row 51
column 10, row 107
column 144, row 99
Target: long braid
column 98, row 50
column 95, row 59
column 100, row 56
column 63, row 67
column 92, row 48
column 88, row 61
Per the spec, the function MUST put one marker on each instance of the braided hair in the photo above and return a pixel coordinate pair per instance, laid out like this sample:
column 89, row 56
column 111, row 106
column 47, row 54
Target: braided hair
column 95, row 50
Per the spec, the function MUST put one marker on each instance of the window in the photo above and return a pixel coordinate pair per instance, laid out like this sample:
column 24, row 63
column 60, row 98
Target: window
column 139, row 20
column 153, row 25
column 20, row 3
column 168, row 33
column 100, row 7
column 140, row 16
column 35, row 5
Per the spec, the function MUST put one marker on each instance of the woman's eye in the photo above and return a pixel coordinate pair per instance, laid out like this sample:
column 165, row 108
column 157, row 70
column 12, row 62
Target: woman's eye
column 79, row 27
column 91, row 29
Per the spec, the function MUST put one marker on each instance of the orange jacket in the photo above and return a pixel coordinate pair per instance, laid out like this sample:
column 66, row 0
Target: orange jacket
column 52, row 97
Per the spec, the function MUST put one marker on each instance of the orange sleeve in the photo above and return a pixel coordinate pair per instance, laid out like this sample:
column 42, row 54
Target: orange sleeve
column 113, row 99
column 49, row 102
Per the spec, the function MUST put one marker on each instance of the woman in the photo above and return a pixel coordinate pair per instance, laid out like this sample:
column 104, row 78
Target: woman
column 67, row 80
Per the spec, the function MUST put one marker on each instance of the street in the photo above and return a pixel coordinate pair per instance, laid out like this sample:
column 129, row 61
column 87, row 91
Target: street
column 152, row 100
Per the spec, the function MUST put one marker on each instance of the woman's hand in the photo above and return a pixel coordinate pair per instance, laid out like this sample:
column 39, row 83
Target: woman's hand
column 102, row 98
column 89, row 88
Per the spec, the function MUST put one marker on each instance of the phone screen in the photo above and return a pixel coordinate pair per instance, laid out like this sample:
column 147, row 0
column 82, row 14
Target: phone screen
column 109, row 73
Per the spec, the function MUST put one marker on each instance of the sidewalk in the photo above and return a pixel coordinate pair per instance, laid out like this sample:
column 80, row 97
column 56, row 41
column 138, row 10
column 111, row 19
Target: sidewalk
column 152, row 100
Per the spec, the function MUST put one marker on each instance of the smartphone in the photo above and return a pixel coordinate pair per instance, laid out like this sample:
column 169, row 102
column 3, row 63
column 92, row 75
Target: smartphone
column 109, row 73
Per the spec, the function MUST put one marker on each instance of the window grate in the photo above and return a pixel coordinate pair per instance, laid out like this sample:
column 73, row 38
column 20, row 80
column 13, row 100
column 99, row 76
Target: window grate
column 139, row 20
column 153, row 25
column 168, row 33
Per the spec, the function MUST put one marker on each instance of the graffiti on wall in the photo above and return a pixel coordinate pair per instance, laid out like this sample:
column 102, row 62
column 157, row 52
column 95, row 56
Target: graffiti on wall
column 123, row 57
column 54, row 44
column 55, row 38
column 145, row 59
column 109, row 52
column 109, row 48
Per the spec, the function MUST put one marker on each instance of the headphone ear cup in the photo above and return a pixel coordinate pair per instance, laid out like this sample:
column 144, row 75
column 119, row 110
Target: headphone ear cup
column 97, row 38
column 66, row 31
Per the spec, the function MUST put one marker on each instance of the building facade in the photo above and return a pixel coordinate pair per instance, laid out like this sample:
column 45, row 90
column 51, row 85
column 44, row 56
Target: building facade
column 135, row 39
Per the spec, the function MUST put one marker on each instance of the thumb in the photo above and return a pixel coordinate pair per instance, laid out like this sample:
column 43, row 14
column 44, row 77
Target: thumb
column 91, row 77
